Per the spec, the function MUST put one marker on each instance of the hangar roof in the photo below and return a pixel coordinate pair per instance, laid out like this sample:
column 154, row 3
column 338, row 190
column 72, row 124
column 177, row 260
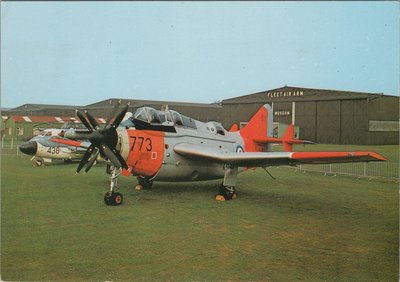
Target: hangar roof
column 140, row 103
column 40, row 107
column 290, row 93
column 46, row 119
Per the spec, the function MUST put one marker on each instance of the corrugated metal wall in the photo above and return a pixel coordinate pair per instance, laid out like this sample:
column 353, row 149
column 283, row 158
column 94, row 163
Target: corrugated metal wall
column 330, row 121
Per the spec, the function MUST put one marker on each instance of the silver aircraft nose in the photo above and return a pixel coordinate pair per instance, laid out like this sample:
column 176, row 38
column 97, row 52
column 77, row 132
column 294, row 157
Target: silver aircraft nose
column 29, row 148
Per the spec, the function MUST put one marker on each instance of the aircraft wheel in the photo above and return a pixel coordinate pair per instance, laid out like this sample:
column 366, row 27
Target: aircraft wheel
column 228, row 192
column 113, row 199
column 39, row 162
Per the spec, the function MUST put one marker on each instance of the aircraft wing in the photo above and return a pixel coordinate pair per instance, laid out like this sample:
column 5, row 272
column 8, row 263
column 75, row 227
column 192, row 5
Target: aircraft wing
column 262, row 159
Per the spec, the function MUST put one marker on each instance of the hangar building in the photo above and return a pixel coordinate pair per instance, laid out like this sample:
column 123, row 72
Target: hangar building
column 23, row 127
column 41, row 110
column 324, row 116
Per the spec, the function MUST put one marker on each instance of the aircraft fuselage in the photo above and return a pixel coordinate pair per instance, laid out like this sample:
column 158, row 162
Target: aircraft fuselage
column 151, row 153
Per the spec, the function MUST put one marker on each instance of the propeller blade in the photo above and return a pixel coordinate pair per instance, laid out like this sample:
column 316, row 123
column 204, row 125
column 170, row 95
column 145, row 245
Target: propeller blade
column 85, row 158
column 84, row 120
column 112, row 114
column 92, row 121
column 113, row 156
column 120, row 116
column 120, row 158
column 103, row 140
column 92, row 160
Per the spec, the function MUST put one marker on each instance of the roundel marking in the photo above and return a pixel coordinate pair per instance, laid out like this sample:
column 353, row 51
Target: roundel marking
column 239, row 149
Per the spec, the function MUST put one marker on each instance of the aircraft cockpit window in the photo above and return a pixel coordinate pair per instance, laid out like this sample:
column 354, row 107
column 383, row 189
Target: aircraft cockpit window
column 176, row 117
column 168, row 116
column 141, row 115
column 154, row 118
column 216, row 128
column 220, row 129
column 163, row 117
column 188, row 122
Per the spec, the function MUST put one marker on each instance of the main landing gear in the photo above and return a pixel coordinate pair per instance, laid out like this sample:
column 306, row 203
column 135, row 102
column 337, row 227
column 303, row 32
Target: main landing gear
column 226, row 193
column 227, row 189
column 113, row 198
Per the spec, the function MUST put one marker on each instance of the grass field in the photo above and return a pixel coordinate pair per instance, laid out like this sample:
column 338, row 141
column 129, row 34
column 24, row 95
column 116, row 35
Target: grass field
column 310, row 227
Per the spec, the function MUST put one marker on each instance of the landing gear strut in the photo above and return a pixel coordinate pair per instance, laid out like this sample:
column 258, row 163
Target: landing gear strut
column 227, row 189
column 143, row 183
column 37, row 161
column 113, row 198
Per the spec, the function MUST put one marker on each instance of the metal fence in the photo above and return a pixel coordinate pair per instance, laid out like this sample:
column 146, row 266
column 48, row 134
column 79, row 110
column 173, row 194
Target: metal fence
column 10, row 147
column 387, row 170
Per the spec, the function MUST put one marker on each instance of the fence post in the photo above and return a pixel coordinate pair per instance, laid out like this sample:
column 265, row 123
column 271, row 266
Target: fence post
column 365, row 168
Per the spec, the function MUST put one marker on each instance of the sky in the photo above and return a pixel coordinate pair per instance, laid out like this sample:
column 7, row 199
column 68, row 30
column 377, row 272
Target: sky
column 78, row 53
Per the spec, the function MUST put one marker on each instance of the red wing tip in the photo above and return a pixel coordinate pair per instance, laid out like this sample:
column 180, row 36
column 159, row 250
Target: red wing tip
column 320, row 155
column 377, row 156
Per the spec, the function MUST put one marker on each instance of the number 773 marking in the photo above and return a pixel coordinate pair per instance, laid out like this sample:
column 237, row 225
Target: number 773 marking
column 139, row 142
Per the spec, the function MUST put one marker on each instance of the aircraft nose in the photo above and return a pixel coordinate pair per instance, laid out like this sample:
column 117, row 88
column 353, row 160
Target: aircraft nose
column 29, row 148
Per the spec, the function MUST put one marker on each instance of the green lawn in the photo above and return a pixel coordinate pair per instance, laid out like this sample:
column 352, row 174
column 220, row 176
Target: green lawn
column 302, row 226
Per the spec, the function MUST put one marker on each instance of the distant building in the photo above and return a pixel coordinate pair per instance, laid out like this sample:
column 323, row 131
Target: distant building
column 24, row 127
column 324, row 116
column 41, row 110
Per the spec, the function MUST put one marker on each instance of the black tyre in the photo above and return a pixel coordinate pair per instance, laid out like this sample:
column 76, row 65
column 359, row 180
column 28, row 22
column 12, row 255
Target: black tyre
column 113, row 199
column 117, row 199
column 107, row 198
column 228, row 192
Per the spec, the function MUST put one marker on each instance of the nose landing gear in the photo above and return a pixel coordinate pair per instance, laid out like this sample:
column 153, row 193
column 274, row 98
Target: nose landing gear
column 113, row 198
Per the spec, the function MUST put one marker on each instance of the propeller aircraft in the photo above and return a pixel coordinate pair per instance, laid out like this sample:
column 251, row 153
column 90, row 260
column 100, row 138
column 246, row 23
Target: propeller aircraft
column 167, row 146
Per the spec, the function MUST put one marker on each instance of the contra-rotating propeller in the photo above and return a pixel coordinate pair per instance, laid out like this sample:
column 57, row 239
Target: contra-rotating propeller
column 103, row 139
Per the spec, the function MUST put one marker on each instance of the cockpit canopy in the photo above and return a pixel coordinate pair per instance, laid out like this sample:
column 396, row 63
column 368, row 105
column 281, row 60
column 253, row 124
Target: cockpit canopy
column 216, row 128
column 151, row 115
column 147, row 117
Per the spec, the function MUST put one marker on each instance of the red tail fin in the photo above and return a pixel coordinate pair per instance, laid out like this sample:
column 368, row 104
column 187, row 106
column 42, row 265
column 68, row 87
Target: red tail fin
column 234, row 128
column 258, row 127
column 257, row 134
column 287, row 138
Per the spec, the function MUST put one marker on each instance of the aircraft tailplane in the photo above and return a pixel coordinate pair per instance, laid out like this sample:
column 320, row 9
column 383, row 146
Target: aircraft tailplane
column 258, row 133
